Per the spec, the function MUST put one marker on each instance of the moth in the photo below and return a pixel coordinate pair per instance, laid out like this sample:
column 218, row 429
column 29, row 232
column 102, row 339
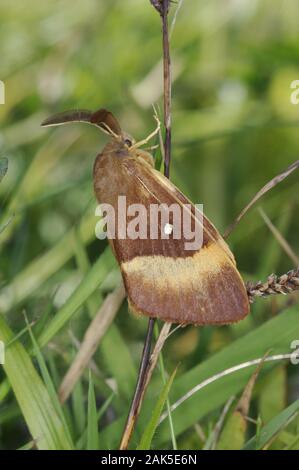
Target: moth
column 163, row 279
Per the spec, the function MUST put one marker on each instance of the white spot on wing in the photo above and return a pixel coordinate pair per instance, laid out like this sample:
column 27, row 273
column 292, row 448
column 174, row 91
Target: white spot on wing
column 168, row 228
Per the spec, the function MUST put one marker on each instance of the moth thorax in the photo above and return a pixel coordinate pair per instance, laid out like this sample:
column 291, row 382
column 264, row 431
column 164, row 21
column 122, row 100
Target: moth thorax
column 146, row 156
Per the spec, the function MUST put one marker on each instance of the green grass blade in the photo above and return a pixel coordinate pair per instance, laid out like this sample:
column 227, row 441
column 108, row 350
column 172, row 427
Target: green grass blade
column 272, row 397
column 125, row 376
column 94, row 301
column 275, row 334
column 43, row 267
column 148, row 434
column 49, row 383
column 92, row 420
column 78, row 408
column 9, row 413
column 88, row 285
column 83, row 439
column 4, row 389
column 33, row 180
column 3, row 167
column 30, row 445
column 41, row 417
column 272, row 428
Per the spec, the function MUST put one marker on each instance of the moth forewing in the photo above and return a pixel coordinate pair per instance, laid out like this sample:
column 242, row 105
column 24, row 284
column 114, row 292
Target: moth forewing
column 162, row 278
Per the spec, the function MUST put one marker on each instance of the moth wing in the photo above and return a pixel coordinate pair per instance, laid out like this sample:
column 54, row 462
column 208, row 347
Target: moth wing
column 165, row 280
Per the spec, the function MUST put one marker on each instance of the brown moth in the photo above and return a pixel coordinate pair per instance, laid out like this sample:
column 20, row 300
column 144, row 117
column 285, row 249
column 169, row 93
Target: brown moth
column 162, row 279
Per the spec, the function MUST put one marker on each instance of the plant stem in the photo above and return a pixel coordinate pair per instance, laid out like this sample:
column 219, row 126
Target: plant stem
column 146, row 366
column 167, row 88
column 136, row 401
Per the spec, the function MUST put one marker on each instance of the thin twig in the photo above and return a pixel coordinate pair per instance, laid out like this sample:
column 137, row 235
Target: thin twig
column 224, row 373
column 242, row 407
column 138, row 394
column 141, row 389
column 179, row 6
column 147, row 365
column 167, row 88
column 163, row 336
column 268, row 186
column 280, row 238
column 219, row 425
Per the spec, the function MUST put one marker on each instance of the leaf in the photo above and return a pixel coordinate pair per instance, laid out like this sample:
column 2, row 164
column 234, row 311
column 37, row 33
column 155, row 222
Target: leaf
column 6, row 224
column 148, row 434
column 291, row 440
column 42, row 419
column 82, row 260
column 272, row 397
column 92, row 421
column 272, row 428
column 125, row 376
column 30, row 445
column 48, row 381
column 83, row 438
column 78, row 408
column 233, row 434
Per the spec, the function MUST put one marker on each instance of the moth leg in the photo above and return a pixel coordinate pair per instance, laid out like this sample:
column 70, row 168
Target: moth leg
column 150, row 136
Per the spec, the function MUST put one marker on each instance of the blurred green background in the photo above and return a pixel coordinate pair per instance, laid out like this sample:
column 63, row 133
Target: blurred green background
column 234, row 128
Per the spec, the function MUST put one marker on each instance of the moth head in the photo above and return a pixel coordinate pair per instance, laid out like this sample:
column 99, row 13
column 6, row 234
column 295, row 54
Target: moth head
column 128, row 140
column 104, row 120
